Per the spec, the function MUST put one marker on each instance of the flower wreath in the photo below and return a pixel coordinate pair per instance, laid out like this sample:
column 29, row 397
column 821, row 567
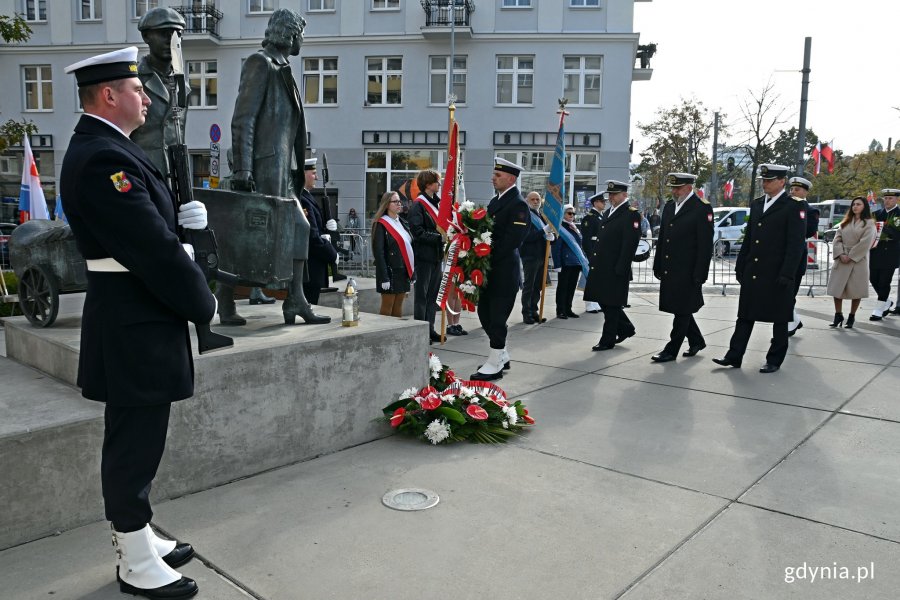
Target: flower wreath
column 471, row 235
column 451, row 410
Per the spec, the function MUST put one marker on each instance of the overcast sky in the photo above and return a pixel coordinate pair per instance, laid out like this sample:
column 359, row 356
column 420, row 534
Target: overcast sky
column 716, row 50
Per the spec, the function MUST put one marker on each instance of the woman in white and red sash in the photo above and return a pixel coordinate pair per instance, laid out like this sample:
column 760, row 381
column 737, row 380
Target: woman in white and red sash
column 393, row 253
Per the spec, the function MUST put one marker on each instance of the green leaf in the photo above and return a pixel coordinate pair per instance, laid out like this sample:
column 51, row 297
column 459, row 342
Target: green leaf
column 390, row 408
column 452, row 415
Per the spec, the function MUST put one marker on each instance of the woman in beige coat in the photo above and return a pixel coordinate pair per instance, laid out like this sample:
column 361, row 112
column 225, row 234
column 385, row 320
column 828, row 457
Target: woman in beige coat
column 850, row 272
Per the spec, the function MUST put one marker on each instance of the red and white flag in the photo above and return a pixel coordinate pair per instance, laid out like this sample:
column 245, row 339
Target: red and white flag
column 32, row 204
column 729, row 189
column 816, row 156
column 448, row 190
column 828, row 156
column 870, row 197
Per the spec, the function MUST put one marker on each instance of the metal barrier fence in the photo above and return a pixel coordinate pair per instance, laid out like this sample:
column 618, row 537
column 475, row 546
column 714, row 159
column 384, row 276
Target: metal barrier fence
column 357, row 256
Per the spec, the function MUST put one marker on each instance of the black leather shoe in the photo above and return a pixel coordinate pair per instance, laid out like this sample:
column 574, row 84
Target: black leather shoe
column 572, row 315
column 456, row 330
column 487, row 376
column 562, row 317
column 178, row 590
column 601, row 347
column 179, row 555
column 693, row 350
column 622, row 338
column 662, row 357
column 796, row 329
column 594, row 312
column 768, row 368
column 434, row 336
column 727, row 362
column 529, row 320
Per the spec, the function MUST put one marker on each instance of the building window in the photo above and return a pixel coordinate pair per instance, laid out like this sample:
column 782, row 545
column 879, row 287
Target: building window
column 38, row 86
column 581, row 172
column 385, row 4
column 34, row 10
column 203, row 78
column 516, row 4
column 583, row 3
column 515, row 79
column 141, row 7
column 581, row 79
column 390, row 169
column 9, row 165
column 384, row 80
column 320, row 77
column 91, row 10
column 200, row 169
column 261, row 6
column 440, row 90
column 317, row 5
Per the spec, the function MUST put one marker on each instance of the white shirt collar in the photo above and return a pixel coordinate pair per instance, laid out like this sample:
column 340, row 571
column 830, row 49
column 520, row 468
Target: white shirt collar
column 113, row 125
column 615, row 208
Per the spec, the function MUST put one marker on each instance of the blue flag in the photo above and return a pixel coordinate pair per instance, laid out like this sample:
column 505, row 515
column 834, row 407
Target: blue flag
column 555, row 197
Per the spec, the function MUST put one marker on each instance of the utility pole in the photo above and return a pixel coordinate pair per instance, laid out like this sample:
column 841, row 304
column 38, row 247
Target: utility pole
column 714, row 180
column 804, row 95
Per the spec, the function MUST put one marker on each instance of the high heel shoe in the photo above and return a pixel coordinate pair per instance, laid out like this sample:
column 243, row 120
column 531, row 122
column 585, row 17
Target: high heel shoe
column 850, row 320
column 838, row 319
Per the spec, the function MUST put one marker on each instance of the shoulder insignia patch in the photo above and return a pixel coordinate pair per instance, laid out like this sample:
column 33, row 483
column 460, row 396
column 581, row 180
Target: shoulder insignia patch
column 802, row 214
column 120, row 182
column 704, row 200
column 635, row 224
column 709, row 217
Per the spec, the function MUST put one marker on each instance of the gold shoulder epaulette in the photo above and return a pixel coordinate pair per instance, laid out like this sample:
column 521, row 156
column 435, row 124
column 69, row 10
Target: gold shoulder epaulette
column 704, row 200
column 632, row 208
column 797, row 199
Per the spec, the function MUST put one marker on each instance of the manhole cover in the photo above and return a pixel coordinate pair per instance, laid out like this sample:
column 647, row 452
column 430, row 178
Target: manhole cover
column 410, row 499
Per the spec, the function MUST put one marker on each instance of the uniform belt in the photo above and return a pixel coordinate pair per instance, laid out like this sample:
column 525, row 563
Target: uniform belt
column 105, row 265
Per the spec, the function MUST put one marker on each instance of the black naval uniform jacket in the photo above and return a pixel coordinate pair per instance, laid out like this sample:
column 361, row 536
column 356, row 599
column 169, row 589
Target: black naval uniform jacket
column 428, row 244
column 617, row 241
column 135, row 345
column 590, row 225
column 511, row 222
column 771, row 248
column 886, row 255
column 321, row 253
column 682, row 255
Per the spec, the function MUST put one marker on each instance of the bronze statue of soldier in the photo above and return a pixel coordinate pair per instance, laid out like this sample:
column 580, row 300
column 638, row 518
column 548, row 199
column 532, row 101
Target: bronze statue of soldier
column 268, row 135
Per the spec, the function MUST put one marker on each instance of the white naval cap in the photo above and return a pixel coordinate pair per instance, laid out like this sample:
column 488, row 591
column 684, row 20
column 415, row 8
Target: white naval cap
column 806, row 184
column 890, row 192
column 310, row 164
column 680, row 179
column 504, row 166
column 118, row 64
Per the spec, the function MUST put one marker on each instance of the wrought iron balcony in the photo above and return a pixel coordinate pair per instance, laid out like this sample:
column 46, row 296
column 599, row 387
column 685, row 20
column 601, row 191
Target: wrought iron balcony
column 438, row 12
column 201, row 18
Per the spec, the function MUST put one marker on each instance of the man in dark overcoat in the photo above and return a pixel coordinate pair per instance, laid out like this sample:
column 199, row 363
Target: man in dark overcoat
column 143, row 288
column 681, row 263
column 590, row 225
column 511, row 219
column 610, row 274
column 884, row 258
column 321, row 250
column 766, row 267
column 533, row 252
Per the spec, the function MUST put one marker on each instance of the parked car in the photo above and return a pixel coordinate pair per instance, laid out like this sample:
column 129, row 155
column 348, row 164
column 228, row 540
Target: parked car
column 728, row 226
column 5, row 230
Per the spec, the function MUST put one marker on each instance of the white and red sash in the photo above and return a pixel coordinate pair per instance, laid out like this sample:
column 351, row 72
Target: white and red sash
column 429, row 207
column 404, row 242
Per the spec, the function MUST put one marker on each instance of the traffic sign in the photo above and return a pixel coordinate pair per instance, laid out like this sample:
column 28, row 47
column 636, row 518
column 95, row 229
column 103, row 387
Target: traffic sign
column 214, row 167
column 215, row 132
column 214, row 148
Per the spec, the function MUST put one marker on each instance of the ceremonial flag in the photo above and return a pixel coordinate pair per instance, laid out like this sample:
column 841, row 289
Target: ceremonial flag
column 60, row 215
column 448, row 189
column 817, row 157
column 870, row 197
column 827, row 154
column 729, row 189
column 555, row 197
column 32, row 204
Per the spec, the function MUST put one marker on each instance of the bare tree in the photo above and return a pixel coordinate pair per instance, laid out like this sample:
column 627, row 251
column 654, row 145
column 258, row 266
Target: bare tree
column 762, row 114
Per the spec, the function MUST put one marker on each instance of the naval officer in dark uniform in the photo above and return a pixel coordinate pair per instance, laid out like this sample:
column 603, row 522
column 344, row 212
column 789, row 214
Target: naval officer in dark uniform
column 590, row 225
column 681, row 263
column 885, row 256
column 496, row 301
column 799, row 188
column 610, row 274
column 321, row 250
column 766, row 268
column 142, row 290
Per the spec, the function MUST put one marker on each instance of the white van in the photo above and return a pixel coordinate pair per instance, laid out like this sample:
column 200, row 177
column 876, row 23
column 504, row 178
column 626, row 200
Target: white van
column 831, row 212
column 728, row 225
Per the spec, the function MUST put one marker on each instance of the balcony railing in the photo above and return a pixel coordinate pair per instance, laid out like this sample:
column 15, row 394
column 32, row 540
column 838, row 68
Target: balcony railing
column 438, row 12
column 201, row 18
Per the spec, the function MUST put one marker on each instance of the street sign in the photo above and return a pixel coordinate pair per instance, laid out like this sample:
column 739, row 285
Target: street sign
column 215, row 132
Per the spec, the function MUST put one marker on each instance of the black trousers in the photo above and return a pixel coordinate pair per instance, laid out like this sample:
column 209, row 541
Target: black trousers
column 615, row 324
column 493, row 312
column 531, row 286
column 683, row 326
column 565, row 289
column 881, row 282
column 133, row 442
column 428, row 282
column 742, row 330
column 312, row 290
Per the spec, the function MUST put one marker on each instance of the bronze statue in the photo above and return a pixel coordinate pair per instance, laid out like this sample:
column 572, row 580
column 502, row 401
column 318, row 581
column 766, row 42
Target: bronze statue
column 168, row 91
column 268, row 132
column 645, row 53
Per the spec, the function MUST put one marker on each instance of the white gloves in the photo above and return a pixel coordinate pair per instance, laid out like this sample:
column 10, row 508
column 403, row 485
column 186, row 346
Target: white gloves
column 547, row 228
column 192, row 215
column 331, row 225
column 386, row 285
column 549, row 236
column 326, row 237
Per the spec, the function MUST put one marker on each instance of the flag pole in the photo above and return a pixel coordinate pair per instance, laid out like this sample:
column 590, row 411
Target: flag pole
column 562, row 112
column 452, row 108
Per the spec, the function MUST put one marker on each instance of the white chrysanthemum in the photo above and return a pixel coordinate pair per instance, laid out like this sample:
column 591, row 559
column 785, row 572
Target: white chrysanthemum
column 467, row 286
column 434, row 363
column 504, row 424
column 437, row 431
column 467, row 206
column 511, row 415
column 466, row 392
column 408, row 393
column 486, row 237
column 463, row 253
column 448, row 398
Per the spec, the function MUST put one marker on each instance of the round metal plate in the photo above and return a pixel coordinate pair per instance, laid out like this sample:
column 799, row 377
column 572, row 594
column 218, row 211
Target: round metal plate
column 410, row 499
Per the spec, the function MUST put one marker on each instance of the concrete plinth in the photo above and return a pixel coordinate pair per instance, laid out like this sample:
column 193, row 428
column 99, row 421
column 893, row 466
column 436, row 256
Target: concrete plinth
column 283, row 394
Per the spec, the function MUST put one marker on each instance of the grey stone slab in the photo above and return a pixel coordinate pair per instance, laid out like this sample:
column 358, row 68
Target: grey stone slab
column 749, row 554
column 813, row 382
column 81, row 564
column 847, row 474
column 879, row 397
column 707, row 442
column 510, row 524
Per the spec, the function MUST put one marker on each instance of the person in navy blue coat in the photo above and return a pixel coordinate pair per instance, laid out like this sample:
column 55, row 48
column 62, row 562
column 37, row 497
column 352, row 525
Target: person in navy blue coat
column 321, row 250
column 568, row 264
column 143, row 288
column 532, row 252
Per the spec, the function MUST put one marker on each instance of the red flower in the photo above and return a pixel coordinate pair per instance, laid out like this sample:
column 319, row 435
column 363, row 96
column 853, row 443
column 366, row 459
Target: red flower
column 476, row 412
column 398, row 417
column 476, row 275
column 482, row 250
column 525, row 416
column 431, row 402
column 451, row 376
column 465, row 242
column 479, row 213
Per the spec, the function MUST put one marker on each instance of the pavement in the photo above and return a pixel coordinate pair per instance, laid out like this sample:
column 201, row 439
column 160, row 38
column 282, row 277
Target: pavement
column 640, row 481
